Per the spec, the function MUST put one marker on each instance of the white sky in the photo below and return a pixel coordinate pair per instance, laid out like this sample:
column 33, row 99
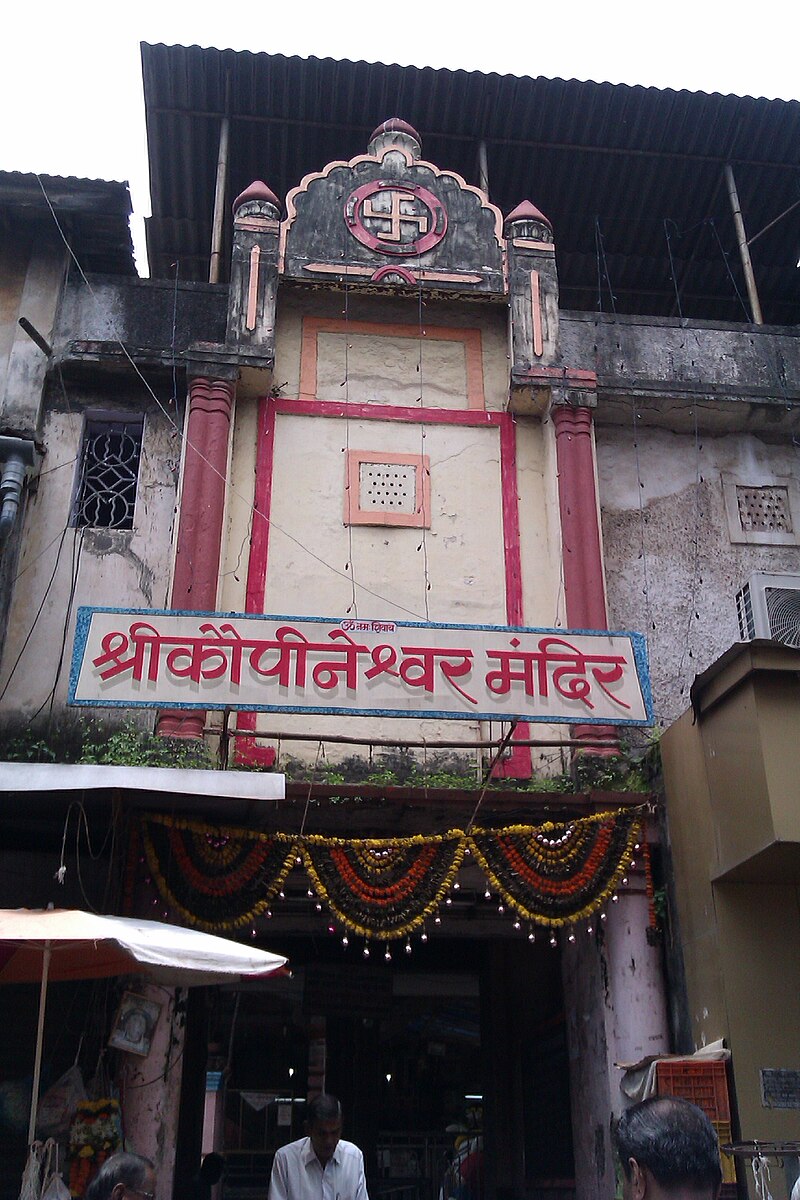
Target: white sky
column 70, row 73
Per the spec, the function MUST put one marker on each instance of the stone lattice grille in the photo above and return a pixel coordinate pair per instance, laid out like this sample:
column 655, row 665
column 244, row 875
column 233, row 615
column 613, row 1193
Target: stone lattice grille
column 764, row 509
column 388, row 487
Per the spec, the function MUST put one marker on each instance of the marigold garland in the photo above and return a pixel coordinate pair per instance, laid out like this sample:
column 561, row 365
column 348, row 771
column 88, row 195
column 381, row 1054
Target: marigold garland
column 217, row 878
column 558, row 873
column 220, row 878
column 652, row 916
column 379, row 888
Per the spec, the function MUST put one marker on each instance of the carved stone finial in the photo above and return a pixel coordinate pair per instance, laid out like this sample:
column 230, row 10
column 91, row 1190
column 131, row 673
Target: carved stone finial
column 257, row 190
column 525, row 211
column 395, row 132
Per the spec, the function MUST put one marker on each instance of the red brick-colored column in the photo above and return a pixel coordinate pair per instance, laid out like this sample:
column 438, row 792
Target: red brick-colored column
column 196, row 572
column 584, row 588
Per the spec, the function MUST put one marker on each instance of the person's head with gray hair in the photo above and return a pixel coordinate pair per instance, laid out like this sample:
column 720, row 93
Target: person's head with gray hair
column 324, row 1119
column 668, row 1150
column 123, row 1175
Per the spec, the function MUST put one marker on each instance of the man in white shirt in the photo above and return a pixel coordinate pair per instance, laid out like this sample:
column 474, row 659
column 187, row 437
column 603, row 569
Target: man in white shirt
column 321, row 1166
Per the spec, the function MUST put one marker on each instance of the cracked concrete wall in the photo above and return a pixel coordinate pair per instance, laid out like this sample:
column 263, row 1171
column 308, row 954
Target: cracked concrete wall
column 30, row 281
column 672, row 570
column 114, row 567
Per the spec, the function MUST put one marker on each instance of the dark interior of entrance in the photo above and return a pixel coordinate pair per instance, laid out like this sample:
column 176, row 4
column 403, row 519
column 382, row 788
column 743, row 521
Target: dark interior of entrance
column 450, row 1062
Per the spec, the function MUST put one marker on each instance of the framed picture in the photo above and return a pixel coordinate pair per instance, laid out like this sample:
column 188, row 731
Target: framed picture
column 134, row 1024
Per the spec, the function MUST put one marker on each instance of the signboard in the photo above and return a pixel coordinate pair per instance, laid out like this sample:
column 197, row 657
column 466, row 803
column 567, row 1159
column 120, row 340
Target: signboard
column 164, row 659
column 780, row 1088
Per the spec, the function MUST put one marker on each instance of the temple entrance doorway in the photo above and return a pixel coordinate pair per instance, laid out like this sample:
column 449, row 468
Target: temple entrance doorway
column 450, row 1062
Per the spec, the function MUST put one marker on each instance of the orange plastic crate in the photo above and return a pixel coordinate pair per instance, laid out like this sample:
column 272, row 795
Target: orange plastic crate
column 705, row 1084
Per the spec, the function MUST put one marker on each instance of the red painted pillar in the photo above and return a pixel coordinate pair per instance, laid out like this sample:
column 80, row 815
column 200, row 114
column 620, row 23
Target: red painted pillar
column 584, row 588
column 196, row 572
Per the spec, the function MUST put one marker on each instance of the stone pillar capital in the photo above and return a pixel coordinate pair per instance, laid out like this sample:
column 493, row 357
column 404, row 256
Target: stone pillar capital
column 570, row 419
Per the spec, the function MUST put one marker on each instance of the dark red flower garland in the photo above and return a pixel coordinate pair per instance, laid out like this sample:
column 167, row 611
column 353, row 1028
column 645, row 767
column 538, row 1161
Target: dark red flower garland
column 554, row 874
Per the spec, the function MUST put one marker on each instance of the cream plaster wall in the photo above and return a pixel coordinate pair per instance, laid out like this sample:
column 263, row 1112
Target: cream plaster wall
column 314, row 558
column 363, row 379
column 538, row 514
column 125, row 568
column 366, row 369
column 239, row 508
column 540, row 556
column 460, row 557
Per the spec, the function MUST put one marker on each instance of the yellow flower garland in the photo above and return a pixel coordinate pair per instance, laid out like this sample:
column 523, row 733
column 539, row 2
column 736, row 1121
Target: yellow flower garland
column 300, row 848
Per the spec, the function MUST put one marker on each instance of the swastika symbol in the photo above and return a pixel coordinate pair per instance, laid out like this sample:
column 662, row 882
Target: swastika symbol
column 396, row 216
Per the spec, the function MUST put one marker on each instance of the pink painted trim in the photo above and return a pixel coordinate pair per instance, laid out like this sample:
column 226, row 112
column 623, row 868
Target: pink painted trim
column 251, row 753
column 345, row 270
column 355, row 515
column 388, row 412
column 584, row 588
column 393, row 269
column 248, row 752
column 195, row 574
column 252, row 289
column 511, row 536
column 570, row 376
column 471, row 339
column 530, row 244
column 259, row 538
column 519, row 764
column 536, row 305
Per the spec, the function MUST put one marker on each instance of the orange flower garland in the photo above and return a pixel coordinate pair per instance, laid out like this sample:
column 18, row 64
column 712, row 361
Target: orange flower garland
column 552, row 874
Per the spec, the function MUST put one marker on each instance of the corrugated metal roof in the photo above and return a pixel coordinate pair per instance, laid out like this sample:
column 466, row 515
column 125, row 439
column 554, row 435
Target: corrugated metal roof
column 93, row 215
column 609, row 164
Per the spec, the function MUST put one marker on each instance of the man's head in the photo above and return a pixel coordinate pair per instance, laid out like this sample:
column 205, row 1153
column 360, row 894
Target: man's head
column 667, row 1147
column 124, row 1177
column 324, row 1125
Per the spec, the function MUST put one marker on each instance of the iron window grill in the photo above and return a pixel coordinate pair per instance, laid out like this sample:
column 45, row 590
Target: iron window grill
column 109, row 474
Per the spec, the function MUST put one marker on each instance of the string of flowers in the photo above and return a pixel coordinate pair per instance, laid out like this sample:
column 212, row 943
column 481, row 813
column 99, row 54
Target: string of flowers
column 383, row 889
column 652, row 916
column 554, row 874
column 557, row 874
column 216, row 878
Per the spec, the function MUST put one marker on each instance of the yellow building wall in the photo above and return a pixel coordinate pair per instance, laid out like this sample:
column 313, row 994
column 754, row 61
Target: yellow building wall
column 740, row 940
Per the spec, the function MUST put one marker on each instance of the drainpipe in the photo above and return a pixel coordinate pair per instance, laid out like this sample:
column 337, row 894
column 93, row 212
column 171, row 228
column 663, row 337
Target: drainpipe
column 11, row 482
column 17, row 455
column 744, row 249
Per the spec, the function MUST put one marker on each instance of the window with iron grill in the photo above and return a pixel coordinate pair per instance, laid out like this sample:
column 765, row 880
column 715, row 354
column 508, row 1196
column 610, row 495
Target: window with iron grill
column 109, row 474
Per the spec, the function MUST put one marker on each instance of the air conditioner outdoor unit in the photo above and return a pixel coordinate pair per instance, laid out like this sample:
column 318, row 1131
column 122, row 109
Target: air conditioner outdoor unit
column 768, row 606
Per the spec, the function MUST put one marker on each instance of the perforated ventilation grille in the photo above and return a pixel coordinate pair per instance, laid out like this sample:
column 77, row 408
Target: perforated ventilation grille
column 783, row 610
column 387, row 487
column 764, row 509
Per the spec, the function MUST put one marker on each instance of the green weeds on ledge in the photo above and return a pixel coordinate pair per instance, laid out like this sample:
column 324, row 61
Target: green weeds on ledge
column 131, row 745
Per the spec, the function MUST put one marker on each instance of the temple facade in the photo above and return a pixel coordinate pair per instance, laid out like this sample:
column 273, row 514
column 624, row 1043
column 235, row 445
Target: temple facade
column 418, row 558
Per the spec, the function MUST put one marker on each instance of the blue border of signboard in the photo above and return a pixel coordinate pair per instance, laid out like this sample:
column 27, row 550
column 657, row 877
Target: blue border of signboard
column 637, row 641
